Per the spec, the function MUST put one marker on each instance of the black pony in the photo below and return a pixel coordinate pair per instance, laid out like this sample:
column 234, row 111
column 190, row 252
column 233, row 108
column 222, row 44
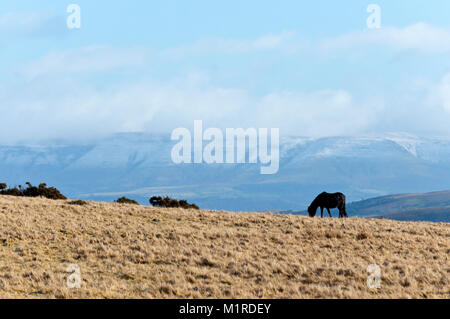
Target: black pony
column 326, row 200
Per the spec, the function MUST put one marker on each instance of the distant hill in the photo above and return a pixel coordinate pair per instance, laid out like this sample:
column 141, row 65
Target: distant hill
column 399, row 204
column 434, row 207
column 431, row 214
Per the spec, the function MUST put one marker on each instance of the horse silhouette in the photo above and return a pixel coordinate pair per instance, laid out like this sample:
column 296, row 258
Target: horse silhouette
column 326, row 200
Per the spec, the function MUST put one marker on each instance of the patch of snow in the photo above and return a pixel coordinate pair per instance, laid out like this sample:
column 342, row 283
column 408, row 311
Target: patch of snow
column 407, row 141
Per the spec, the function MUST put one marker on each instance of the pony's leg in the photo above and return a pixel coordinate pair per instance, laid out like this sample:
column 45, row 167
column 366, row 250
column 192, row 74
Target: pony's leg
column 343, row 212
column 321, row 212
column 329, row 213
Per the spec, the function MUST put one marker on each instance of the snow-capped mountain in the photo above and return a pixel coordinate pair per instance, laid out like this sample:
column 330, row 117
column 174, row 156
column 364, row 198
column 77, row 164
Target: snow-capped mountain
column 139, row 165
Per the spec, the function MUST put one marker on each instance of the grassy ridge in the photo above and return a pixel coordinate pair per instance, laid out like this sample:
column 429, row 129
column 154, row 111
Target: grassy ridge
column 129, row 251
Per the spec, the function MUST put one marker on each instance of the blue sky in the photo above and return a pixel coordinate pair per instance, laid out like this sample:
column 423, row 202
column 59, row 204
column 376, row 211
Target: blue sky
column 310, row 68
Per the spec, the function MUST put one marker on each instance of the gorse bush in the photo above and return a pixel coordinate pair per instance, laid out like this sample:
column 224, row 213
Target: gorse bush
column 158, row 201
column 124, row 200
column 32, row 191
column 11, row 191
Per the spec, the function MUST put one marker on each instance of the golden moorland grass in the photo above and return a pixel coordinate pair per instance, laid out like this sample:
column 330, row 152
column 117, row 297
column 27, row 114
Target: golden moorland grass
column 129, row 251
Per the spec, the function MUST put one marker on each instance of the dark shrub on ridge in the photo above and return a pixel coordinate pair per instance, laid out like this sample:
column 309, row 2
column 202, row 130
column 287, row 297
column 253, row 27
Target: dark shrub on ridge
column 124, row 200
column 11, row 192
column 158, row 201
column 32, row 191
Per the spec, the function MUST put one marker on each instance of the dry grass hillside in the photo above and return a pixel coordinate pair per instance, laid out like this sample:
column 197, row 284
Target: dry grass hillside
column 129, row 251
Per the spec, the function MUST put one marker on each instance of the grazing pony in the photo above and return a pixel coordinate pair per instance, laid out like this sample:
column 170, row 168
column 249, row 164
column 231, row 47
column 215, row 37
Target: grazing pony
column 326, row 200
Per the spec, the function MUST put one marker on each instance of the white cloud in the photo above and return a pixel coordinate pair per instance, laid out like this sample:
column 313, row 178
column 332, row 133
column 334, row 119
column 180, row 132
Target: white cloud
column 420, row 36
column 319, row 113
column 443, row 92
column 231, row 46
column 31, row 24
column 84, row 60
column 63, row 108
column 53, row 103
column 58, row 106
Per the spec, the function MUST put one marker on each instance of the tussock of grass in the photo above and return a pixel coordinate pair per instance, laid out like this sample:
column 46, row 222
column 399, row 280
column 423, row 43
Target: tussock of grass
column 129, row 251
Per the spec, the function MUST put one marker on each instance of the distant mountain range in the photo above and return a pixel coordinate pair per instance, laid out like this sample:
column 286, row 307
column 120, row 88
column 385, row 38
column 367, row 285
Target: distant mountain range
column 139, row 165
column 433, row 207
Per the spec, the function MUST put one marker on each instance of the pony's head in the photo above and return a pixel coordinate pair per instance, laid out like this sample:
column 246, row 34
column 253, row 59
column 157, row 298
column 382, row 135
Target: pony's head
column 312, row 211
